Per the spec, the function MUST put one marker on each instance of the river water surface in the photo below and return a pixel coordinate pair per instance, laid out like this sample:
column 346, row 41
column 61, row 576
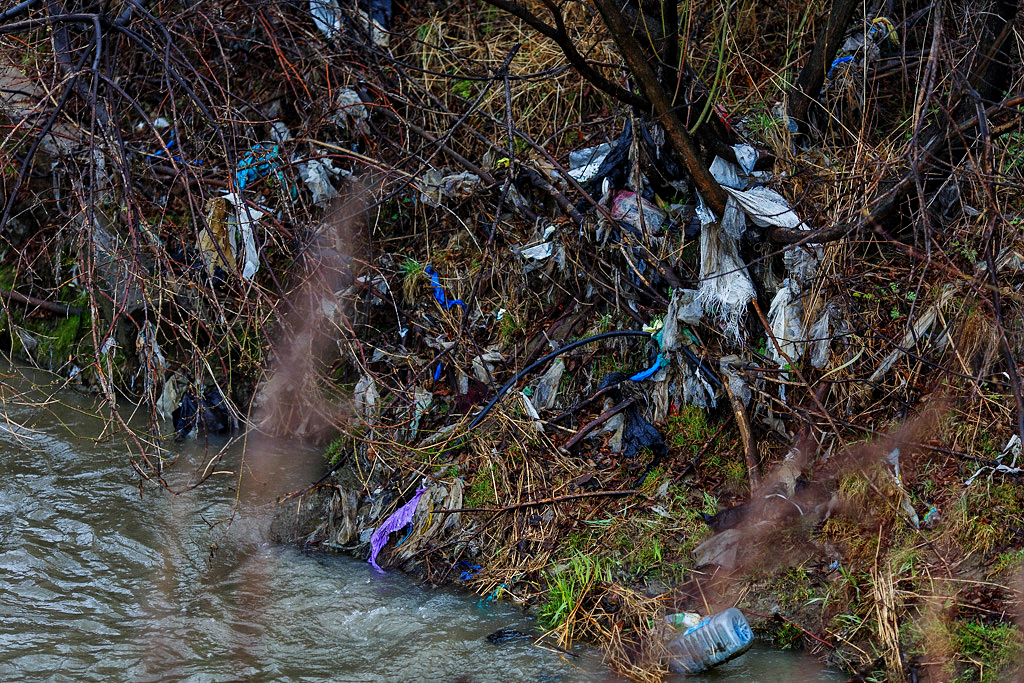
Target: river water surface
column 101, row 580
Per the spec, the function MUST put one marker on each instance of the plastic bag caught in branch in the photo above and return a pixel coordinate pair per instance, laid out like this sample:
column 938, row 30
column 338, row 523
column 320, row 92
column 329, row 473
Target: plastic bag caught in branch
column 819, row 339
column 228, row 218
column 317, row 174
column 767, row 207
column 784, row 318
column 244, row 218
column 725, row 286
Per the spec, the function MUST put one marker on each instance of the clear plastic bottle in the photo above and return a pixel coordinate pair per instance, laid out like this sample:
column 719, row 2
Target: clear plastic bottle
column 716, row 639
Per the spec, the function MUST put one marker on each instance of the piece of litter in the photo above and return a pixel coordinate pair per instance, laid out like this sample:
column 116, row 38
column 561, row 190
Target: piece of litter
column 538, row 252
column 396, row 521
column 439, row 294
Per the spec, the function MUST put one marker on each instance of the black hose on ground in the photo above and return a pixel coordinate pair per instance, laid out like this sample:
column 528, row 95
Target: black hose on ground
column 551, row 356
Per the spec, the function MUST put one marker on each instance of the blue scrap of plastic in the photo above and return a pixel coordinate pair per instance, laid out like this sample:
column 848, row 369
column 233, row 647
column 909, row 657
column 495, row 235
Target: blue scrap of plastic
column 468, row 573
column 167, row 150
column 660, row 362
column 930, row 513
column 439, row 290
column 837, row 62
column 644, row 374
column 406, row 537
column 495, row 593
column 259, row 162
column 437, row 373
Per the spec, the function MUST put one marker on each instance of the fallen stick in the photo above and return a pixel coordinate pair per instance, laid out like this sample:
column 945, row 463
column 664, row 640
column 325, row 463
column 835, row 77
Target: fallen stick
column 604, row 417
column 61, row 309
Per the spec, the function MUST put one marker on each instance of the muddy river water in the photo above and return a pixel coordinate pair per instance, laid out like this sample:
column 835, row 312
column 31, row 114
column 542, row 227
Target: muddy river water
column 101, row 580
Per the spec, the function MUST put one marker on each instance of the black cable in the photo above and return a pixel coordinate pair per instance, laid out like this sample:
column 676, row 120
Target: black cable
column 554, row 354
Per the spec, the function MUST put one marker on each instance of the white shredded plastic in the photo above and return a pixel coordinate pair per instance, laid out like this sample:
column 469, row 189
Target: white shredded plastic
column 725, row 286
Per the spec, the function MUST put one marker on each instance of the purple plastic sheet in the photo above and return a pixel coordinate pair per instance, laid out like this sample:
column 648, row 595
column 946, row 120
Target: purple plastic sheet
column 396, row 521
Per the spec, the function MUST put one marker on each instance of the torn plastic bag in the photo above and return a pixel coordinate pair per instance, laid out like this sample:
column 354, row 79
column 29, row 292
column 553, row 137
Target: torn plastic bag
column 637, row 214
column 766, row 207
column 725, row 286
column 614, row 167
column 546, row 390
column 737, row 386
column 584, row 164
column 366, row 397
column 428, row 527
column 916, row 332
column 1013, row 447
column 483, row 366
column 151, row 359
column 893, row 461
column 352, row 113
column 638, row 435
column 374, row 15
column 801, row 262
column 243, row 218
column 398, row 520
column 819, row 339
column 326, row 16
column 726, row 174
column 207, row 413
column 422, row 399
column 747, row 156
column 434, row 186
column 784, row 317
column 279, row 132
column 531, row 412
column 538, row 252
column 317, row 174
column 787, row 328
column 170, row 396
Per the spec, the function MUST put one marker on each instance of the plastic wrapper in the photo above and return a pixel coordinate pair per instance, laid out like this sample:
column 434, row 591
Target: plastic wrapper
column 398, row 520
